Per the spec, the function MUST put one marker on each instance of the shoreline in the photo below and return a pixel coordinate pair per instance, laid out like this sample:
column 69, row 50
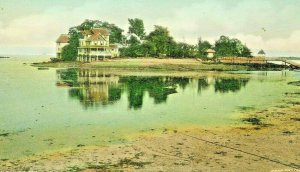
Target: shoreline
column 153, row 64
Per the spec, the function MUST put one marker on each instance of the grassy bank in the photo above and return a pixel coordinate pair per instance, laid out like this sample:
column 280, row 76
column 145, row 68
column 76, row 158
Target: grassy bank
column 162, row 64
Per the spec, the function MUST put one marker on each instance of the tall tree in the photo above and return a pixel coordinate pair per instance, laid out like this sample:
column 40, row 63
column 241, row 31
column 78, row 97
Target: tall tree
column 161, row 40
column 136, row 26
column 133, row 40
column 231, row 47
column 202, row 47
column 69, row 52
column 115, row 32
column 246, row 52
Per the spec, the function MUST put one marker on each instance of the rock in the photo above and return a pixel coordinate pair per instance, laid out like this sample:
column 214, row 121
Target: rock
column 295, row 83
column 80, row 145
column 253, row 121
column 4, row 134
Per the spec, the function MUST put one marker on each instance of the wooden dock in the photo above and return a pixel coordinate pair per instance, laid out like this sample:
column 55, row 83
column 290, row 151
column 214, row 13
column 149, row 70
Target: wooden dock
column 292, row 64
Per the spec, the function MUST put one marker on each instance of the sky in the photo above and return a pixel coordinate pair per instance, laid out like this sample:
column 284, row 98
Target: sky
column 32, row 26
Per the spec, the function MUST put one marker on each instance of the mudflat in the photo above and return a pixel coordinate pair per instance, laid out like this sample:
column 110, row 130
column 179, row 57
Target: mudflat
column 268, row 141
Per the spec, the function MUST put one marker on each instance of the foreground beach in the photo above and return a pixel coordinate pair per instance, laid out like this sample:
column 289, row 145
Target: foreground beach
column 268, row 144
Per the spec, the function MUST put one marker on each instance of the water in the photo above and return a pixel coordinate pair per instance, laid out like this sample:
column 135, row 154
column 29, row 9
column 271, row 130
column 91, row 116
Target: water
column 56, row 109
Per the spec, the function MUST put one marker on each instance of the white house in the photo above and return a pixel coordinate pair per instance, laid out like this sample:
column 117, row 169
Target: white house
column 95, row 46
column 61, row 42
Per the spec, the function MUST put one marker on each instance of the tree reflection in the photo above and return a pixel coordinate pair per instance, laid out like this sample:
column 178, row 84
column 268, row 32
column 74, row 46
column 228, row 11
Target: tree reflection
column 158, row 88
column 181, row 81
column 225, row 85
column 202, row 84
column 94, row 88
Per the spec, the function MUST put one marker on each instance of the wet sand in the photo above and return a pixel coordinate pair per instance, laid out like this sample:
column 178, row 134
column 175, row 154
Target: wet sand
column 269, row 141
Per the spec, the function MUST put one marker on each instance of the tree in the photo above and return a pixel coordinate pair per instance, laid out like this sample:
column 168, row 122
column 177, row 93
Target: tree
column 148, row 48
column 133, row 40
column 161, row 40
column 246, row 52
column 202, row 47
column 136, row 26
column 69, row 52
column 182, row 50
column 87, row 24
column 231, row 47
column 115, row 32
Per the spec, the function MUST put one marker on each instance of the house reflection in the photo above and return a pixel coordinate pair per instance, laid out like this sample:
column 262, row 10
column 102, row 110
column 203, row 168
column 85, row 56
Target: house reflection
column 95, row 88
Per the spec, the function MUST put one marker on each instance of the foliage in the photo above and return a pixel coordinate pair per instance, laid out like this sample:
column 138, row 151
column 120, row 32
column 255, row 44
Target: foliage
column 136, row 26
column 182, row 50
column 69, row 52
column 160, row 38
column 115, row 32
column 157, row 43
column 231, row 47
column 134, row 50
column 202, row 47
column 133, row 40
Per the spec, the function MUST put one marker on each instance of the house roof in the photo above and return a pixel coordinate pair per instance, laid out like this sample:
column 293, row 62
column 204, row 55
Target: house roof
column 63, row 38
column 210, row 51
column 101, row 31
column 96, row 34
column 261, row 52
column 96, row 37
column 86, row 32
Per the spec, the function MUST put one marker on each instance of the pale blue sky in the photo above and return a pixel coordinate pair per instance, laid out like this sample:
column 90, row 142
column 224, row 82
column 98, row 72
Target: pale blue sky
column 32, row 26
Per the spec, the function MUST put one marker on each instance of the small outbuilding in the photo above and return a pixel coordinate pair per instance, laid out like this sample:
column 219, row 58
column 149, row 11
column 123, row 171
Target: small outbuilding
column 210, row 53
column 261, row 53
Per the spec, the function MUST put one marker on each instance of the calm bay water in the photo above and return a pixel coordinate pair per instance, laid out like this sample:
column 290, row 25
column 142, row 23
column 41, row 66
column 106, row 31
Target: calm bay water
column 44, row 110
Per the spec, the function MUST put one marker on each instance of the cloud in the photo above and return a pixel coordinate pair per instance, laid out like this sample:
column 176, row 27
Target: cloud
column 288, row 44
column 187, row 21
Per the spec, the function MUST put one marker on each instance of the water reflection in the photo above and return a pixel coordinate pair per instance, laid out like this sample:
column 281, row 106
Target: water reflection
column 203, row 84
column 225, row 85
column 158, row 88
column 94, row 88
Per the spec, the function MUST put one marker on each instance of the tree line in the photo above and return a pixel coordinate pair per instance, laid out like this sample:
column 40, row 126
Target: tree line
column 158, row 43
